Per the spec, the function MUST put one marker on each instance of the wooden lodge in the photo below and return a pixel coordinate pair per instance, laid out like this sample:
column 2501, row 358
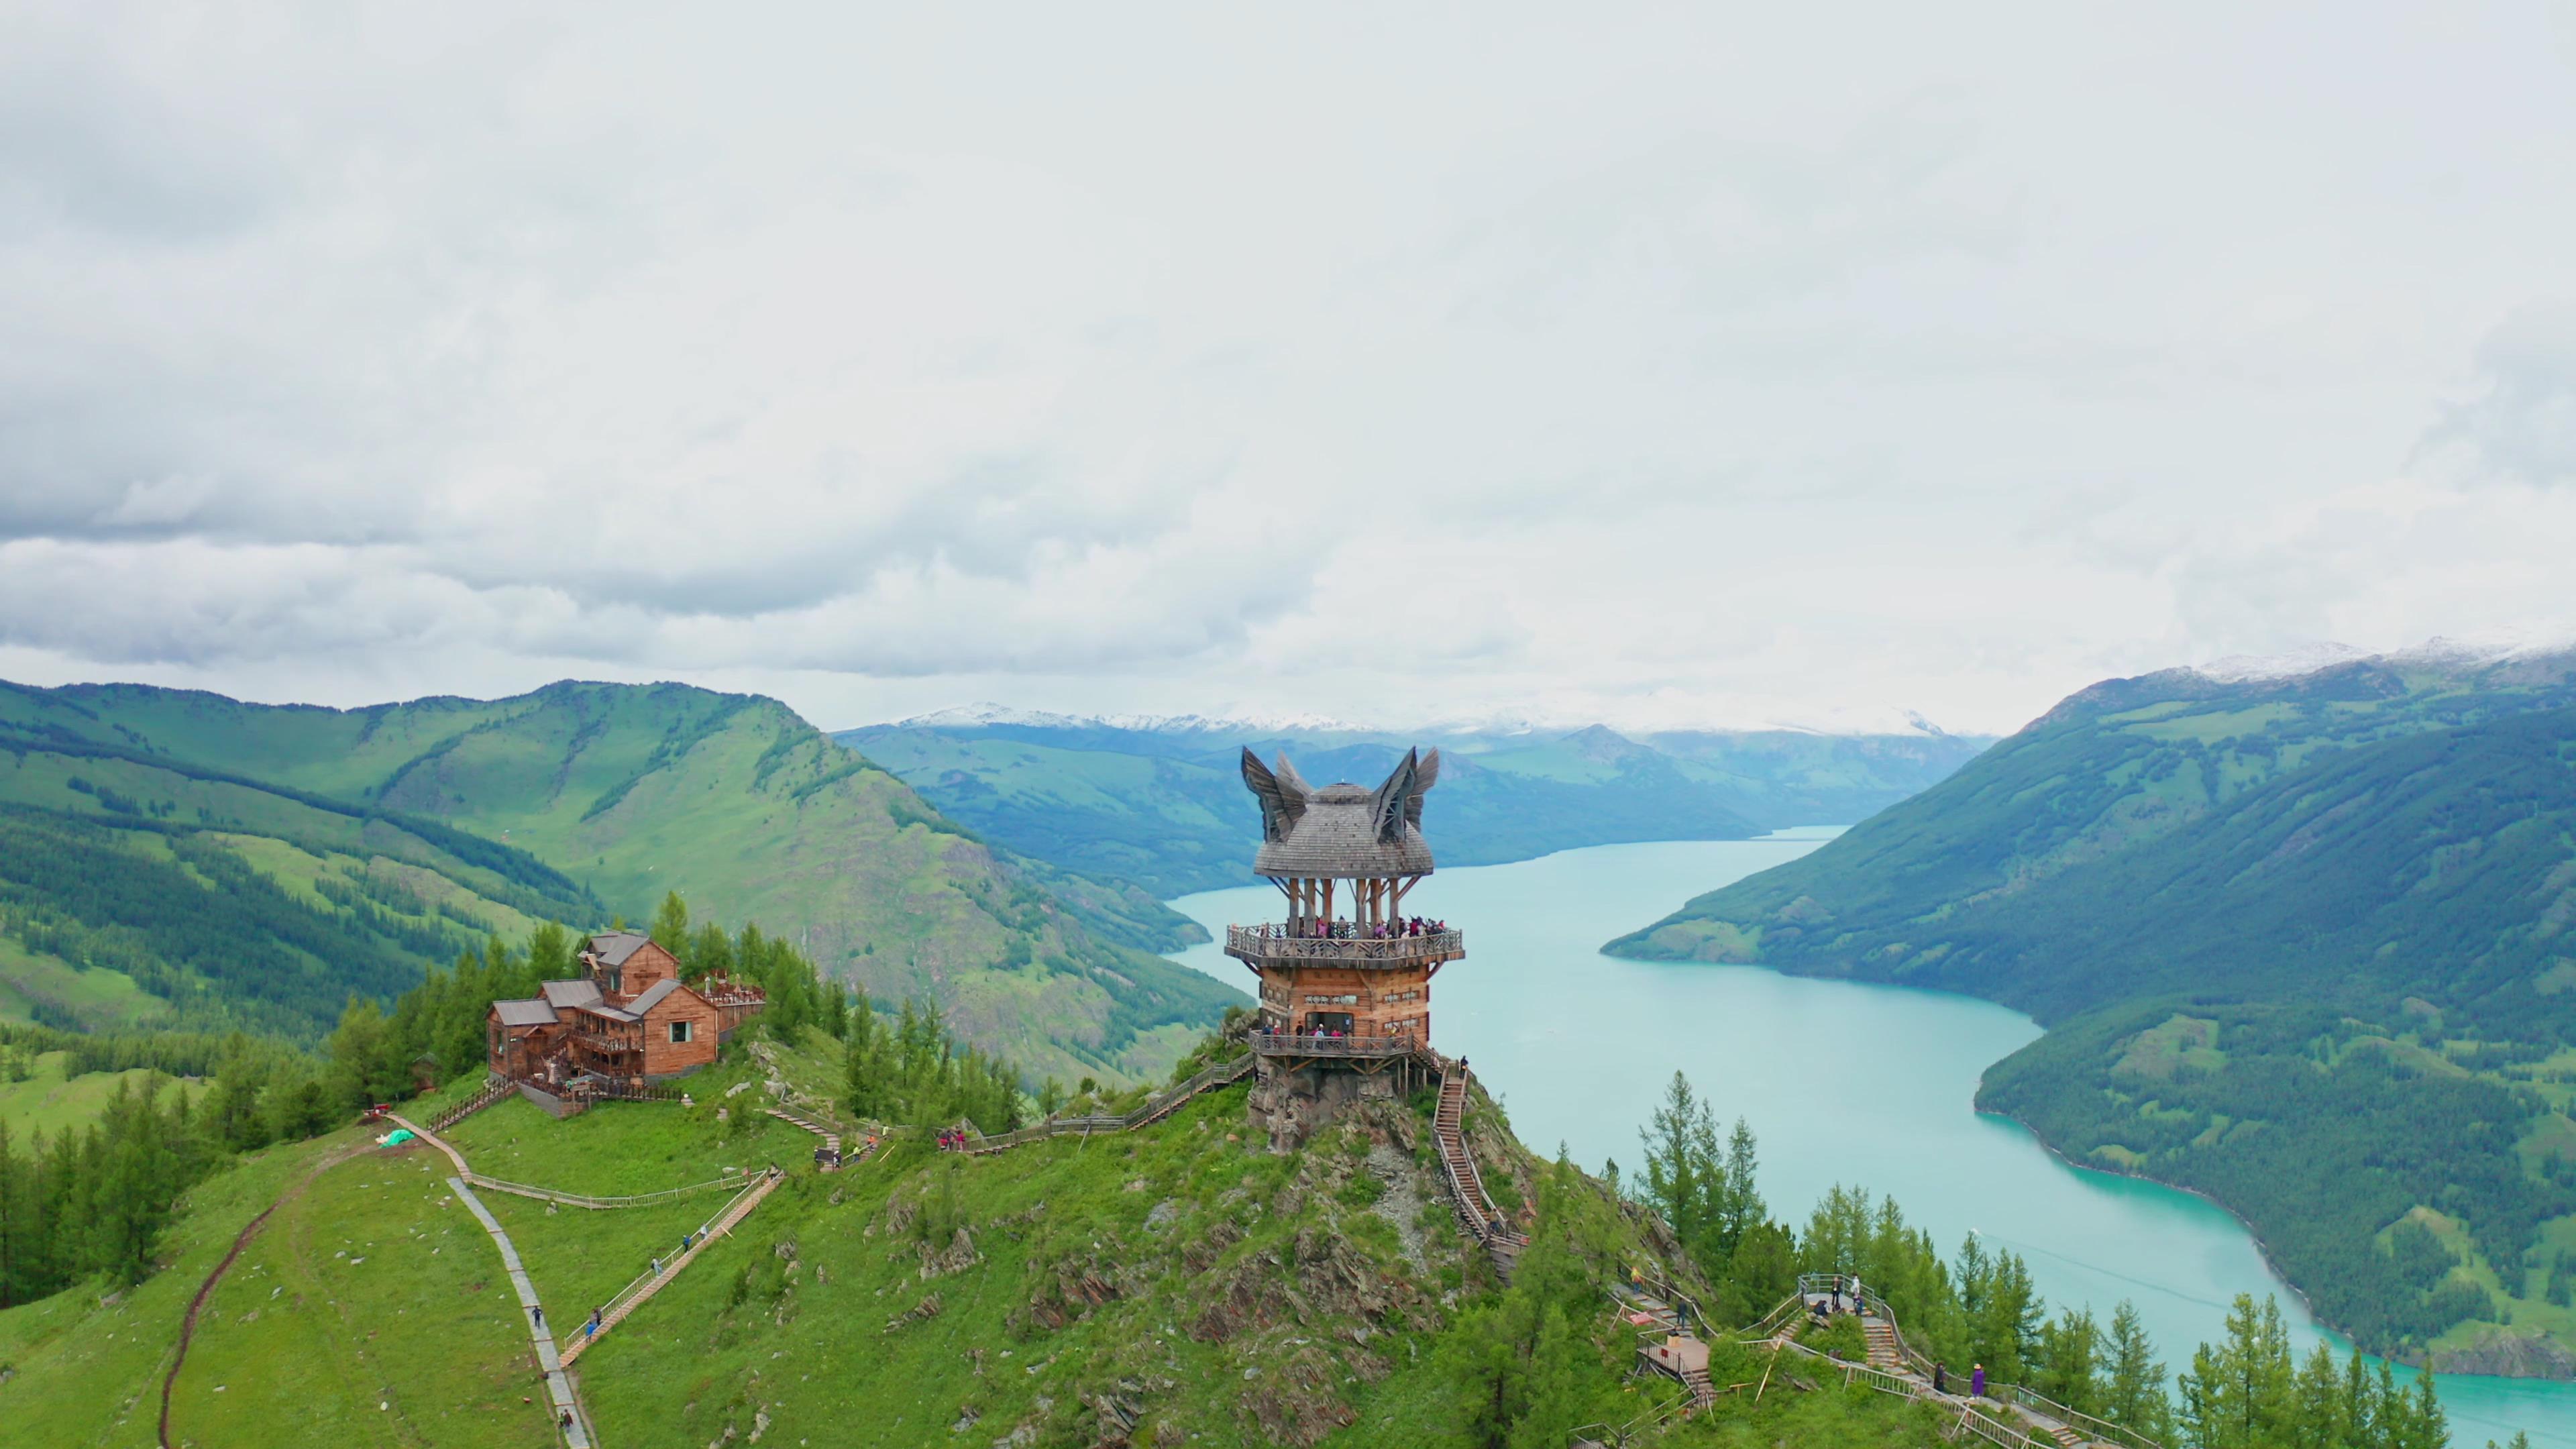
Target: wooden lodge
column 1345, row 973
column 628, row 1019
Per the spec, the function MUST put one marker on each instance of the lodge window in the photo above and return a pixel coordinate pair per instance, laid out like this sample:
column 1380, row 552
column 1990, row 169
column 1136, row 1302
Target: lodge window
column 680, row 1033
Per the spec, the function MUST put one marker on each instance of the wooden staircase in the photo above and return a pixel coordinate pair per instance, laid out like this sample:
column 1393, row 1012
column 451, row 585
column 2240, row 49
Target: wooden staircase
column 493, row 1091
column 1466, row 1184
column 641, row 1292
column 829, row 1158
column 1881, row 1337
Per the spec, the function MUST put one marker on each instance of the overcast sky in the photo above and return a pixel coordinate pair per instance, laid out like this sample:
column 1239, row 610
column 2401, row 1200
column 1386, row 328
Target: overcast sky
column 1681, row 366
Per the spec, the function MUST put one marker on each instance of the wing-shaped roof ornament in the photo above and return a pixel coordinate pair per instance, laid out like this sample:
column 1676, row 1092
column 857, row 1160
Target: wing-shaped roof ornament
column 1282, row 795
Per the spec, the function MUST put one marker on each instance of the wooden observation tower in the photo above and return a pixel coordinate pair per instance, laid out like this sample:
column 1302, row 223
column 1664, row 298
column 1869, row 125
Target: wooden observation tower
column 1346, row 974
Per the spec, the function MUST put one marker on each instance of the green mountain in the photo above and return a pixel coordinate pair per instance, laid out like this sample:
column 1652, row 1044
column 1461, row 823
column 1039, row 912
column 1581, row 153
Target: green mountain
column 1160, row 802
column 387, row 836
column 2302, row 944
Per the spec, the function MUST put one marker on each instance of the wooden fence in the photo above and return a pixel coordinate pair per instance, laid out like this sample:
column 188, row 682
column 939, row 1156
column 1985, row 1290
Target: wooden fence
column 1224, row 1073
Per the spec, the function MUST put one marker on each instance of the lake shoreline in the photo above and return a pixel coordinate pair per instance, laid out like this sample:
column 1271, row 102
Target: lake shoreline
column 1840, row 1076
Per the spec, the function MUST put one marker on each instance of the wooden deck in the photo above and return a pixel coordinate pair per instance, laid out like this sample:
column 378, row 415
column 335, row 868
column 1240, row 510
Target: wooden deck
column 1257, row 946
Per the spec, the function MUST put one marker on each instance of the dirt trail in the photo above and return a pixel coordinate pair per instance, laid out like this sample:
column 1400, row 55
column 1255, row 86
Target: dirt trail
column 188, row 1325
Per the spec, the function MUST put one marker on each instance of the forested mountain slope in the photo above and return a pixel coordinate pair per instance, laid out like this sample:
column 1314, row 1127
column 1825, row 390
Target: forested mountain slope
column 2304, row 943
column 1162, row 805
column 574, row 802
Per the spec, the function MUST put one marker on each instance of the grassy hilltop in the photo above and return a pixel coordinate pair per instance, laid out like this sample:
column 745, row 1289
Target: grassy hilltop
column 2302, row 943
column 345, row 848
column 1177, row 1285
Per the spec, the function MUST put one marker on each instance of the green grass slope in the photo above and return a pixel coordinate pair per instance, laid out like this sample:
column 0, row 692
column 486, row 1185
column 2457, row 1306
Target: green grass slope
column 2303, row 943
column 85, row 1368
column 48, row 1101
column 1177, row 1285
column 612, row 795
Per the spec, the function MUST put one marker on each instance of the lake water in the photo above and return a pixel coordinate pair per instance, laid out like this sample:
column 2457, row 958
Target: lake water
column 1842, row 1082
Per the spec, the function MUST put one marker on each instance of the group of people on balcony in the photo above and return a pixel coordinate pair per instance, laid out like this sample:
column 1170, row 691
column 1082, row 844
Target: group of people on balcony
column 1311, row 929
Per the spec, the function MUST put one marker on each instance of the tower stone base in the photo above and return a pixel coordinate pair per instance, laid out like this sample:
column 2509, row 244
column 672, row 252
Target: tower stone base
column 1291, row 1103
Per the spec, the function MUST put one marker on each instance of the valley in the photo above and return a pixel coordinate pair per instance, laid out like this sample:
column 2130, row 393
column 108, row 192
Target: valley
column 1158, row 802
column 181, row 859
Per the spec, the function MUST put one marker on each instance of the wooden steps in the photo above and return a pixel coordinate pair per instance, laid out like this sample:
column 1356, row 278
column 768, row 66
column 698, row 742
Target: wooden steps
column 1882, row 1345
column 1467, row 1185
column 828, row 1156
column 642, row 1294
column 492, row 1092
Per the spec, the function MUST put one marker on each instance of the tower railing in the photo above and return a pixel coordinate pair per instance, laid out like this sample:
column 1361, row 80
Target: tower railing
column 1292, row 1044
column 1272, row 943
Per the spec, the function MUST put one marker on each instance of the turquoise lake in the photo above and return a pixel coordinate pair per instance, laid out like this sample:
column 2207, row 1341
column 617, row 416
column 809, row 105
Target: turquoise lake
column 1843, row 1083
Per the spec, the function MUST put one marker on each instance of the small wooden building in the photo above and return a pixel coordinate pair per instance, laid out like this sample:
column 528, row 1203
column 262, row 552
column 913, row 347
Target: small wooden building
column 629, row 1018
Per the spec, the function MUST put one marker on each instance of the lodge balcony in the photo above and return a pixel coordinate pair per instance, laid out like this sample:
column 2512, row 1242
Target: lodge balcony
column 1272, row 945
column 606, row 1045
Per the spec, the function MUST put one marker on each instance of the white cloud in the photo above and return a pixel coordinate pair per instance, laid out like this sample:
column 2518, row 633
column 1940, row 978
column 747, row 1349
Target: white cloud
column 1680, row 366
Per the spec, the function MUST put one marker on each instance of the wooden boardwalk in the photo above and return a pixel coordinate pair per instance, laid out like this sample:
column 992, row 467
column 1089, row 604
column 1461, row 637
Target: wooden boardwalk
column 2008, row 1415
column 640, row 1292
column 568, row 1414
column 584, row 1200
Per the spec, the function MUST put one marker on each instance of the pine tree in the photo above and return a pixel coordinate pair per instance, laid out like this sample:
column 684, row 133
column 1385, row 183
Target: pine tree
column 2070, row 1352
column 1683, row 1175
column 15, row 1210
column 1740, row 1205
column 670, row 929
column 2135, row 1395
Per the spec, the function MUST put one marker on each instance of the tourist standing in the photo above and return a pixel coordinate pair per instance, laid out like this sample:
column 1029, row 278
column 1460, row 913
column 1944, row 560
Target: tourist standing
column 1977, row 1382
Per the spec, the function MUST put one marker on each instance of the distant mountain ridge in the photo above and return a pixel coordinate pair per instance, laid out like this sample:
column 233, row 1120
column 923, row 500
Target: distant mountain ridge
column 1157, row 800
column 573, row 801
column 2303, row 941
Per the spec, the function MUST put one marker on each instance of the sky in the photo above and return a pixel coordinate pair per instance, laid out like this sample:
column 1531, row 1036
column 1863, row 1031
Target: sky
column 1667, row 366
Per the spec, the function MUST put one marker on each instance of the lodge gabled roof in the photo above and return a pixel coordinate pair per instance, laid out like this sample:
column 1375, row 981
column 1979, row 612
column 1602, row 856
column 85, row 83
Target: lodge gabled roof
column 655, row 996
column 532, row 1012
column 613, row 947
column 579, row 991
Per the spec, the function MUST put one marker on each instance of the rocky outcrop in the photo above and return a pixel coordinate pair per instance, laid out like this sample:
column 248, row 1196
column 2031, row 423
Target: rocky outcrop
column 2509, row 1353
column 1289, row 1105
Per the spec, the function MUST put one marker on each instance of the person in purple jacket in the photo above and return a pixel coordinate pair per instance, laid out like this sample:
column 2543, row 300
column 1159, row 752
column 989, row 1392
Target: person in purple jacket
column 1977, row 1382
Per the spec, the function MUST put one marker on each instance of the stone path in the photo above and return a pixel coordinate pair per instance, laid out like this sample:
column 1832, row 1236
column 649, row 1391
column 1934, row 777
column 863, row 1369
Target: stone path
column 558, row 1387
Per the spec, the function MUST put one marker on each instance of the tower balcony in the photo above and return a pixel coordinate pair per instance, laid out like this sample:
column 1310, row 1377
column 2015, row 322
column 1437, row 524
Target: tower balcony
column 1311, row 1046
column 1270, row 945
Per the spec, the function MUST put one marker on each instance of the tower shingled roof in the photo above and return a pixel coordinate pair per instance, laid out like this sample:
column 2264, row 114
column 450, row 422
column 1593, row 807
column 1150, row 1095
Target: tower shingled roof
column 1342, row 831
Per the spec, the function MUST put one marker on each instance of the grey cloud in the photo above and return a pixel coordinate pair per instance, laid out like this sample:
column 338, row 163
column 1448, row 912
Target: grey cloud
column 2522, row 427
column 1593, row 357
